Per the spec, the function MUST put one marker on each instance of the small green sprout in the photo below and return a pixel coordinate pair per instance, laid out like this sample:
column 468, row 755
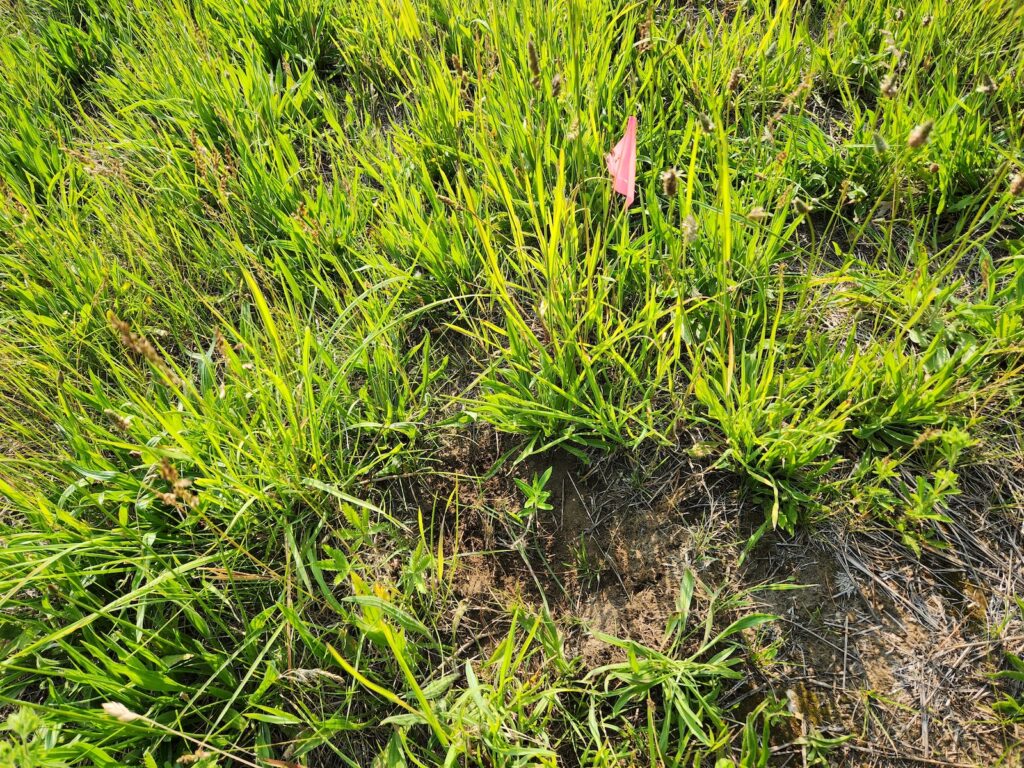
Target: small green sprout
column 536, row 493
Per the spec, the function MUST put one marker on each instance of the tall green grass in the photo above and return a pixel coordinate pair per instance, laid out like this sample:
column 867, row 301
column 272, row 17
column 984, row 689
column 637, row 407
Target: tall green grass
column 259, row 258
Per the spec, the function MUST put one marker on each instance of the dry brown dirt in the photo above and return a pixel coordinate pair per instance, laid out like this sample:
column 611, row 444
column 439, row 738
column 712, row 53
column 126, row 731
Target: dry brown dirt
column 871, row 642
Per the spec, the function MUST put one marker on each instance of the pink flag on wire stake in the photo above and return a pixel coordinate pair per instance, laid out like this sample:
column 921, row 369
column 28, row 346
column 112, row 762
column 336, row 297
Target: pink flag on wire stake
column 622, row 163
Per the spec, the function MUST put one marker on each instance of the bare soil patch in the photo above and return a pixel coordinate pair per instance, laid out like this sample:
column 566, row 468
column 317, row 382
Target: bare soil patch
column 894, row 651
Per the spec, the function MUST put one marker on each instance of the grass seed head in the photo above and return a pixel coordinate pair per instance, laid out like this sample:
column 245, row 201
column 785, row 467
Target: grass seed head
column 1017, row 185
column 168, row 471
column 888, row 86
column 689, row 229
column 643, row 43
column 919, row 136
column 890, row 45
column 574, row 129
column 803, row 207
column 988, row 86
column 735, row 79
column 881, row 145
column 141, row 346
column 670, row 182
column 933, row 168
column 123, row 423
column 181, row 487
column 120, row 711
column 556, row 85
column 534, row 62
column 221, row 344
column 757, row 214
column 794, row 96
column 195, row 757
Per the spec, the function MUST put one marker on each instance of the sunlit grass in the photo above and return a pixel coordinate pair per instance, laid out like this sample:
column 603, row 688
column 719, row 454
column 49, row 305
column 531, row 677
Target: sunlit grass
column 258, row 258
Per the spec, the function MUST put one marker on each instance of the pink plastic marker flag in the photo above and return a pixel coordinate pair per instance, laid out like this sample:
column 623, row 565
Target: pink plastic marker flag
column 622, row 163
